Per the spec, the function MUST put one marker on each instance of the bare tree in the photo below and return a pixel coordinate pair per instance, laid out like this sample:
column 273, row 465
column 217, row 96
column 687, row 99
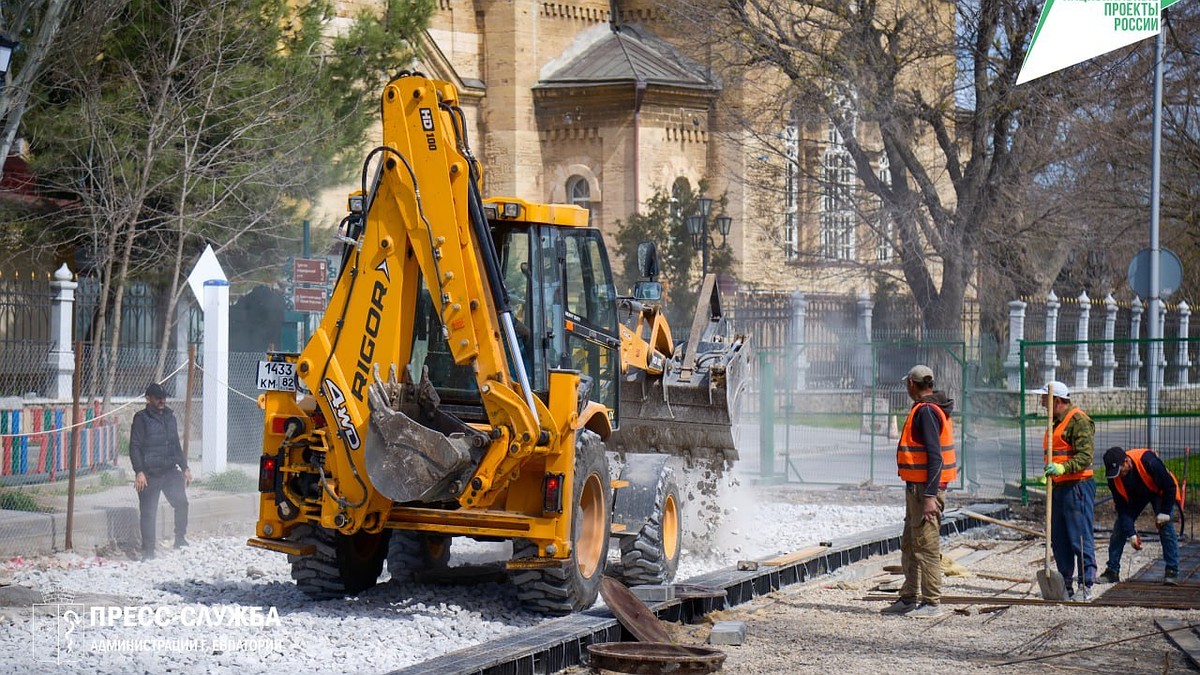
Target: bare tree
column 198, row 122
column 926, row 90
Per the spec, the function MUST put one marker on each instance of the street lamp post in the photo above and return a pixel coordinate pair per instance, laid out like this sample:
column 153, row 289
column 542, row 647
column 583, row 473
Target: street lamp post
column 697, row 226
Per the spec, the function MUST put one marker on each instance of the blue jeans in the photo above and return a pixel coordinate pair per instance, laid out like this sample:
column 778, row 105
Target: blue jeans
column 1125, row 528
column 1071, row 532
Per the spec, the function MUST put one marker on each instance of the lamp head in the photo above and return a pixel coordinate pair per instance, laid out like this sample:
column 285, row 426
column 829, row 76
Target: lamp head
column 724, row 223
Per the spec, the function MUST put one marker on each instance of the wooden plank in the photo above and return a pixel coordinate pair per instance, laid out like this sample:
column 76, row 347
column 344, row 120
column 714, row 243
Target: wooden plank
column 796, row 556
column 1001, row 523
column 1002, row 577
column 1182, row 636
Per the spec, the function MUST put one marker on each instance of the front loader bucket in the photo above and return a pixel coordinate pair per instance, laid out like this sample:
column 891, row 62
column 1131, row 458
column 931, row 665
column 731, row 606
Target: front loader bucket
column 691, row 410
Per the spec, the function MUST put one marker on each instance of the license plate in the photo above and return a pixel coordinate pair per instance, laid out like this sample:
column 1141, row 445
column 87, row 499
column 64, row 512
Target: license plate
column 277, row 375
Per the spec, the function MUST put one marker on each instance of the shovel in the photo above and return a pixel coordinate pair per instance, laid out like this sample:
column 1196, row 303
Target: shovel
column 1050, row 580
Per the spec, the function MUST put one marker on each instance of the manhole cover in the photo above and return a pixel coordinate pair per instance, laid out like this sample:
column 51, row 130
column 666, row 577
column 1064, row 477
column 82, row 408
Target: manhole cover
column 655, row 658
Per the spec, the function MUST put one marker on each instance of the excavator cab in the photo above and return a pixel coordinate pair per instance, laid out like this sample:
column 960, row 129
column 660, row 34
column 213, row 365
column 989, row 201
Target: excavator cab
column 564, row 312
column 564, row 304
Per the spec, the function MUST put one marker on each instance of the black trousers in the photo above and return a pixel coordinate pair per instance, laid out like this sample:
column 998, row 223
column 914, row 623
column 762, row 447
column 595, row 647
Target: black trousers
column 171, row 485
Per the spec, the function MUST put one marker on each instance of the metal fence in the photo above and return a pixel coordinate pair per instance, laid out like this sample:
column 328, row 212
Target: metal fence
column 842, row 426
column 24, row 333
column 37, row 437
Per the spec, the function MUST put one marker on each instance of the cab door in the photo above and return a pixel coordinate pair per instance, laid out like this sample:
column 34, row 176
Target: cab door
column 590, row 314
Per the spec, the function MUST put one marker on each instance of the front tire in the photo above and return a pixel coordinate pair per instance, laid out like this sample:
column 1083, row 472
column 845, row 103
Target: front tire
column 343, row 564
column 652, row 556
column 575, row 585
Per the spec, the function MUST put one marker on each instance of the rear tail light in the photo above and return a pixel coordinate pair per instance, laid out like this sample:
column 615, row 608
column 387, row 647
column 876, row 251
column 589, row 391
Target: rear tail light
column 267, row 470
column 552, row 493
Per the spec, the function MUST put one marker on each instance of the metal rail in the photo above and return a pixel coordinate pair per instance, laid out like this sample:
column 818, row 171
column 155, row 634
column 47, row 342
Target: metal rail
column 560, row 643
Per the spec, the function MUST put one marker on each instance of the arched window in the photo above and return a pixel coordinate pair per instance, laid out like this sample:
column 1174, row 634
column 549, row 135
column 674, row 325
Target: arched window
column 579, row 192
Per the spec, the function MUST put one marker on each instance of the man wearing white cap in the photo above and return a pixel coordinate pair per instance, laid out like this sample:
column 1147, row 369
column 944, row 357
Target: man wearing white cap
column 1070, row 467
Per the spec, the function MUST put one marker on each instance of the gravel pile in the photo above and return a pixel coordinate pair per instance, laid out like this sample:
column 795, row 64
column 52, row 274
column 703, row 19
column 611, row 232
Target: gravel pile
column 220, row 606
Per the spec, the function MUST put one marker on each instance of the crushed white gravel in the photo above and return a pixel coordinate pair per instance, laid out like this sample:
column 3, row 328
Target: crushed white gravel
column 220, row 606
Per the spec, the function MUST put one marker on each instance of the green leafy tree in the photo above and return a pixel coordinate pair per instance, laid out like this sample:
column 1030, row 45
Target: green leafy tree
column 662, row 223
column 180, row 123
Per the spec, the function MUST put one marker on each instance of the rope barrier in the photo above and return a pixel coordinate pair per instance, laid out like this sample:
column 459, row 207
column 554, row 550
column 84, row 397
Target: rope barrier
column 253, row 399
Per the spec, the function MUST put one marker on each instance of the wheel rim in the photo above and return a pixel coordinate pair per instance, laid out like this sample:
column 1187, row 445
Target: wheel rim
column 670, row 527
column 590, row 543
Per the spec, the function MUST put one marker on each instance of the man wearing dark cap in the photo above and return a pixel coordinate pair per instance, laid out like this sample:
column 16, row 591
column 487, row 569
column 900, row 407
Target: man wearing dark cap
column 1138, row 478
column 158, row 460
column 925, row 460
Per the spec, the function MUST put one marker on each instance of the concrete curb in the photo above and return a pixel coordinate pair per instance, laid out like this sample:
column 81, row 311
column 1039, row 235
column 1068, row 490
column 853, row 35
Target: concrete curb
column 103, row 527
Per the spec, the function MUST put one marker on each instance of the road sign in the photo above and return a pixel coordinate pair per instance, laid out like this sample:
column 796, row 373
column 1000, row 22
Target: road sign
column 1170, row 273
column 308, row 299
column 310, row 270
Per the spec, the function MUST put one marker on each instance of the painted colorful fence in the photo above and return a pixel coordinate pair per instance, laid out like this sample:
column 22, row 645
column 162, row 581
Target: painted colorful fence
column 36, row 441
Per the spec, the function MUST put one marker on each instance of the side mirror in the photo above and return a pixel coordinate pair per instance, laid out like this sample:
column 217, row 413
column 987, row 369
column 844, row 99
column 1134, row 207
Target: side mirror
column 647, row 290
column 647, row 257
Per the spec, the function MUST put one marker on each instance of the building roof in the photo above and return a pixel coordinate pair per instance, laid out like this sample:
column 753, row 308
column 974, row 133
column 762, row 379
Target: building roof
column 628, row 54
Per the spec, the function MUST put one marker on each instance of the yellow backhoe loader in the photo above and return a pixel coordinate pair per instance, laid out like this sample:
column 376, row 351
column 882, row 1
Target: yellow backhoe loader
column 468, row 379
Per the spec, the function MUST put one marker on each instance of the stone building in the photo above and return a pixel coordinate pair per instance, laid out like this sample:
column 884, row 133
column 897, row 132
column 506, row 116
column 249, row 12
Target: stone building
column 571, row 105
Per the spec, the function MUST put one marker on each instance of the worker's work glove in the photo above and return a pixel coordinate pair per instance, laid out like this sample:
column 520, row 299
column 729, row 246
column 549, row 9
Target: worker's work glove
column 1054, row 469
column 1136, row 542
column 1161, row 520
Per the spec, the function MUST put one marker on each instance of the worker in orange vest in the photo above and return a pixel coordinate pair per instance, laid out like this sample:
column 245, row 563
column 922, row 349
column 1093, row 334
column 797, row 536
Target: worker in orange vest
column 926, row 462
column 1070, row 467
column 1138, row 478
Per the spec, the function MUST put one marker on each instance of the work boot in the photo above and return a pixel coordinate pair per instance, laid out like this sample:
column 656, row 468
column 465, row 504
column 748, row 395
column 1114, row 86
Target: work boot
column 147, row 555
column 900, row 606
column 1171, row 577
column 927, row 610
column 181, row 543
column 1110, row 575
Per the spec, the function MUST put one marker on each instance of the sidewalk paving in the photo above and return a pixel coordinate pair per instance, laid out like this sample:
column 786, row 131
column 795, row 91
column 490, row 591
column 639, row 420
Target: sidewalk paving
column 106, row 518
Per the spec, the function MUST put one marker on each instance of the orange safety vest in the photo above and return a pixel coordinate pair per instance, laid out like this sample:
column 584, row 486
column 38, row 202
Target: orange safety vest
column 1063, row 452
column 911, row 459
column 1136, row 456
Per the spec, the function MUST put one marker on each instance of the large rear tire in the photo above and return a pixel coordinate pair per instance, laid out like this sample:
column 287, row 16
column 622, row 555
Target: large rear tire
column 575, row 585
column 410, row 553
column 652, row 557
column 343, row 564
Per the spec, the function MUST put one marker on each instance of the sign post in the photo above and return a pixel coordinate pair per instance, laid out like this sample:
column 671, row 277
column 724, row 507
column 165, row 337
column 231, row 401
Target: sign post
column 211, row 288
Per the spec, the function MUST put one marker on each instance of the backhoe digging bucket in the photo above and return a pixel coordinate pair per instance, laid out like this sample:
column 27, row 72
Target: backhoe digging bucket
column 406, row 460
column 691, row 410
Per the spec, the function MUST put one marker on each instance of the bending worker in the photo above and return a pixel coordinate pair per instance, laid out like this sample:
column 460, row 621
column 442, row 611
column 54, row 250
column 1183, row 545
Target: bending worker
column 1138, row 478
column 926, row 462
column 1074, row 502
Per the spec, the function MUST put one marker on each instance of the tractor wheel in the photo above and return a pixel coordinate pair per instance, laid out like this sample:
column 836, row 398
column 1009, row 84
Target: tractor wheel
column 410, row 552
column 575, row 585
column 652, row 557
column 343, row 564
